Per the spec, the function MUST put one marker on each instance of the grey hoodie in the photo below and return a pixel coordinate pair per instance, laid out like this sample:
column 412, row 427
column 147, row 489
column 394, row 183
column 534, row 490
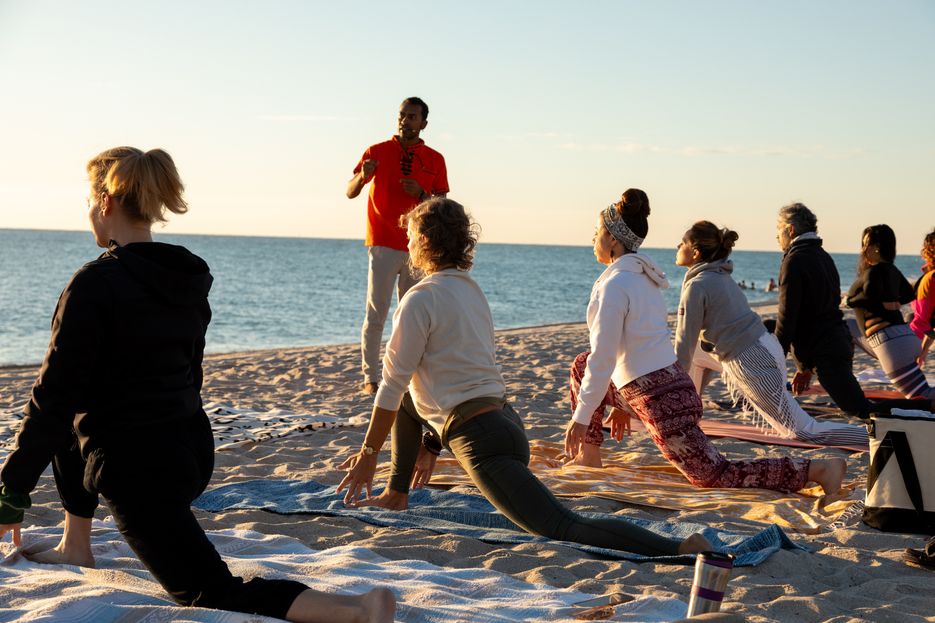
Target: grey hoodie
column 713, row 305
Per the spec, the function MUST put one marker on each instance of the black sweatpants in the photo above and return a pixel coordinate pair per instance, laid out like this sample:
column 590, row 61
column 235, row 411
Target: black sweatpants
column 493, row 450
column 149, row 481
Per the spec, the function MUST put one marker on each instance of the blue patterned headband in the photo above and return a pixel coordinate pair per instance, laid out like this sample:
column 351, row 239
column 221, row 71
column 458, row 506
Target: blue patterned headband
column 613, row 221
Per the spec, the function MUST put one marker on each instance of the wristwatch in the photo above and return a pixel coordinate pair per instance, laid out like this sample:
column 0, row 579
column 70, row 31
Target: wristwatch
column 368, row 450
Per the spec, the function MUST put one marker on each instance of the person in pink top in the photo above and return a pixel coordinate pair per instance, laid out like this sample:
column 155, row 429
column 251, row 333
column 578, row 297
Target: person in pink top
column 402, row 172
column 923, row 307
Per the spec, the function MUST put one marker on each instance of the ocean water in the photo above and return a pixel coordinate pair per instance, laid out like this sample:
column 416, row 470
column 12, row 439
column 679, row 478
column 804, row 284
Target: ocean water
column 281, row 292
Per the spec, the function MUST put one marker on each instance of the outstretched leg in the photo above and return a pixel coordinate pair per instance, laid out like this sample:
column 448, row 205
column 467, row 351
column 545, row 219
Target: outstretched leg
column 493, row 449
column 670, row 408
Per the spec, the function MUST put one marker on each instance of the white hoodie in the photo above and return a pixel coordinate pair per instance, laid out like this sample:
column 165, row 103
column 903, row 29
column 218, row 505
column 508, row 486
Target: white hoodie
column 629, row 333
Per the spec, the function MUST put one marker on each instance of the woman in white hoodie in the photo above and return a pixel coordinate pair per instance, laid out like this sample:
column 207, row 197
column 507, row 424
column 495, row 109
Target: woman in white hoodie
column 631, row 350
column 754, row 367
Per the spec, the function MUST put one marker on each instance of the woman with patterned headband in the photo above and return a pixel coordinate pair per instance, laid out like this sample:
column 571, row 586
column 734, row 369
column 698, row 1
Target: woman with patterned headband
column 631, row 349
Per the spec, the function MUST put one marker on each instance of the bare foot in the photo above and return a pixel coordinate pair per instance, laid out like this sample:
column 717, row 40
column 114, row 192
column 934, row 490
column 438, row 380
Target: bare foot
column 311, row 606
column 694, row 544
column 380, row 606
column 389, row 499
column 62, row 555
column 589, row 456
column 829, row 473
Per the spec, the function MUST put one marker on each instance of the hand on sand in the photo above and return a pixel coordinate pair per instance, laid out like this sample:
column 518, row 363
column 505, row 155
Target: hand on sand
column 829, row 473
column 14, row 528
column 801, row 381
column 425, row 466
column 574, row 437
column 360, row 470
column 389, row 499
column 619, row 422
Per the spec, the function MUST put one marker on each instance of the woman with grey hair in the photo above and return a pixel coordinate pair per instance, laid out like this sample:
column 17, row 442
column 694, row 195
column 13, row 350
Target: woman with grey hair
column 631, row 349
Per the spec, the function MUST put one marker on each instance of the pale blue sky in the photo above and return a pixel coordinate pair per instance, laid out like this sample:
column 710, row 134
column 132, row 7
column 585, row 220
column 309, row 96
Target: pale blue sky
column 545, row 111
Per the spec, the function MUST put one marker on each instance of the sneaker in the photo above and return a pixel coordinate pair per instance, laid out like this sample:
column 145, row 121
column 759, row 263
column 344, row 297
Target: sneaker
column 369, row 389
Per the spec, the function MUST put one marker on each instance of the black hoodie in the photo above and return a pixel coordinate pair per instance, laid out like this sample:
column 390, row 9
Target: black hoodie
column 124, row 360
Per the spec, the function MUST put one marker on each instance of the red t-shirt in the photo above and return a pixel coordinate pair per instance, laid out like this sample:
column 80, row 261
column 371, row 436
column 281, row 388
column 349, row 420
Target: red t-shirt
column 387, row 200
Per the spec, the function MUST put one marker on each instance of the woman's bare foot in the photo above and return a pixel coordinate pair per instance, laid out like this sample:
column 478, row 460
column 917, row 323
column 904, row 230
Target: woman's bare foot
column 63, row 554
column 829, row 473
column 589, row 456
column 694, row 544
column 389, row 499
column 311, row 606
column 73, row 549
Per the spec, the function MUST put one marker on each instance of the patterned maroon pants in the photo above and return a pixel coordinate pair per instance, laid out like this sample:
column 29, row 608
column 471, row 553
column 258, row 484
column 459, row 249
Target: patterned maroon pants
column 670, row 409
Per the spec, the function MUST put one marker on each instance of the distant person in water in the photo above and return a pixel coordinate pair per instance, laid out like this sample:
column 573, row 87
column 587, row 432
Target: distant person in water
column 117, row 407
column 632, row 368
column 402, row 172
column 442, row 351
column 713, row 309
column 923, row 306
column 771, row 286
column 877, row 296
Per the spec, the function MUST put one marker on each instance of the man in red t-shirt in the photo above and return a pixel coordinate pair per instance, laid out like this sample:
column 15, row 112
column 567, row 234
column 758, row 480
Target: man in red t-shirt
column 404, row 171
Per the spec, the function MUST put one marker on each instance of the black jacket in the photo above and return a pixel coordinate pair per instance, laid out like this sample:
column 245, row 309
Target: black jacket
column 809, row 301
column 124, row 360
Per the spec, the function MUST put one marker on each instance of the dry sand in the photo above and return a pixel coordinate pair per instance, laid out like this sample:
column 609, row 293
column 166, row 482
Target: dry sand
column 854, row 574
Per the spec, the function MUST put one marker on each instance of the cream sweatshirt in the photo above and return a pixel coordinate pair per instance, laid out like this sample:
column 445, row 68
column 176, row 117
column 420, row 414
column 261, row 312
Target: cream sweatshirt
column 442, row 348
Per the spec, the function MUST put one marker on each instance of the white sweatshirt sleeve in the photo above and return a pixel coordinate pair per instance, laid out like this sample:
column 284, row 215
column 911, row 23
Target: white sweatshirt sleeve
column 606, row 337
column 412, row 324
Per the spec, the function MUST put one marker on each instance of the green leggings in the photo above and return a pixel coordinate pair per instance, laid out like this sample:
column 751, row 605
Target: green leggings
column 492, row 448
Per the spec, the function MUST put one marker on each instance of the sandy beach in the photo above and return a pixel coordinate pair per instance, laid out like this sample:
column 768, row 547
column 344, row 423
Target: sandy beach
column 854, row 573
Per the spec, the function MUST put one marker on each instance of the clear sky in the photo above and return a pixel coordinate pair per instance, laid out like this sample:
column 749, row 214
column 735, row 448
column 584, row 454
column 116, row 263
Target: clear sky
column 545, row 111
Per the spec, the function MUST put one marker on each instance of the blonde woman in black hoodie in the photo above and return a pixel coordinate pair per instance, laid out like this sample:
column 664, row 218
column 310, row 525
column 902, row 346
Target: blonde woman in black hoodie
column 117, row 406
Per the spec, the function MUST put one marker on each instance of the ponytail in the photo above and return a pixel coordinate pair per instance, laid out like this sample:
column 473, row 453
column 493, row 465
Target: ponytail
column 147, row 184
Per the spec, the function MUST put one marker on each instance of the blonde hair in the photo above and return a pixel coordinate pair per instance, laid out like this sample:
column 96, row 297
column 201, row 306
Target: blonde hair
column 146, row 184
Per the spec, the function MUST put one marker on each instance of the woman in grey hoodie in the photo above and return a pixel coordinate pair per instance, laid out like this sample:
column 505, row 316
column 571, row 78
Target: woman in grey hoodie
column 754, row 367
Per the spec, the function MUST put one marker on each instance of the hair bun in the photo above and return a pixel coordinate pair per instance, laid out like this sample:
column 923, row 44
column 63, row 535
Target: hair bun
column 634, row 202
column 728, row 238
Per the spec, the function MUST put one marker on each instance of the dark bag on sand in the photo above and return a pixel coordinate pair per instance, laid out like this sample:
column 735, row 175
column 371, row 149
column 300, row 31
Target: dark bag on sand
column 901, row 478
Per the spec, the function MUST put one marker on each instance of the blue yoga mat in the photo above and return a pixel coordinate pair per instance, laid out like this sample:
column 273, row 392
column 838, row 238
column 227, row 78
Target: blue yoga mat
column 447, row 512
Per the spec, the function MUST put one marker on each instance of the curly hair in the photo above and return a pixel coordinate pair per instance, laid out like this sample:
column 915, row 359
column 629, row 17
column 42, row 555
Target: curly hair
column 928, row 248
column 448, row 235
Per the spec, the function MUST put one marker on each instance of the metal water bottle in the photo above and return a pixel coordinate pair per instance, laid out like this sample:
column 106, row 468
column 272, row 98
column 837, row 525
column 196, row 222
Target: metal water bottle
column 712, row 571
